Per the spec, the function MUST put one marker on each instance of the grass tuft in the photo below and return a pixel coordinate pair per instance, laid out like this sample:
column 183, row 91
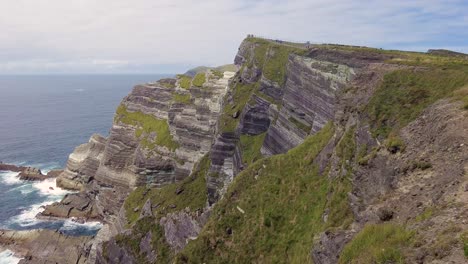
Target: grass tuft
column 199, row 79
column 184, row 81
column 382, row 243
column 182, row 98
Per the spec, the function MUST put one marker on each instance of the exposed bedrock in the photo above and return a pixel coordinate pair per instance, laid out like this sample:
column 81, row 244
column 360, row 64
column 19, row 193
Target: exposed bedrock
column 82, row 164
column 221, row 170
column 255, row 118
column 308, row 103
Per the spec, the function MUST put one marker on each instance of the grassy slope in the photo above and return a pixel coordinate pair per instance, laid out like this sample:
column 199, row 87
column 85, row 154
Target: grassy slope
column 404, row 94
column 146, row 125
column 251, row 146
column 381, row 243
column 273, row 216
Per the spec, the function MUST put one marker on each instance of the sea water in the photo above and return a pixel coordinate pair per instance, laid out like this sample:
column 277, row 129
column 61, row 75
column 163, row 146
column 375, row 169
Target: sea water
column 42, row 119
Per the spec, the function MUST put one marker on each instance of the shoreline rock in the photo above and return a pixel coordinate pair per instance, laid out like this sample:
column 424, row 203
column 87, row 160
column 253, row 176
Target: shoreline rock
column 29, row 173
column 46, row 246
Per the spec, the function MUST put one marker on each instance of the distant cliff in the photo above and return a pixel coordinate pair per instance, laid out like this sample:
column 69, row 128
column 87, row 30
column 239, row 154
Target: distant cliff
column 308, row 153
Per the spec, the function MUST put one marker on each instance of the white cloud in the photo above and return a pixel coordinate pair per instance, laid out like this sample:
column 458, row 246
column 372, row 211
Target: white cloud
column 89, row 35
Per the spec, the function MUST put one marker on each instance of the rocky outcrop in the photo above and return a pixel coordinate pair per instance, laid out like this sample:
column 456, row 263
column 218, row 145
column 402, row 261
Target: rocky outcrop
column 79, row 205
column 29, row 173
column 82, row 164
column 45, row 246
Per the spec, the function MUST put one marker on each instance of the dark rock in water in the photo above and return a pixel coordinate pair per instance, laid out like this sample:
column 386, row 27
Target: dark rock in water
column 29, row 173
column 51, row 188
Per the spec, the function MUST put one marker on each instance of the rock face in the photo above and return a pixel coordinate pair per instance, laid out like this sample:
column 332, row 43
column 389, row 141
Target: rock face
column 308, row 102
column 82, row 164
column 41, row 246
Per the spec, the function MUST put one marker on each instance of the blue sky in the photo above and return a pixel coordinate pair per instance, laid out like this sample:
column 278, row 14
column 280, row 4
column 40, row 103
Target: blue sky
column 168, row 36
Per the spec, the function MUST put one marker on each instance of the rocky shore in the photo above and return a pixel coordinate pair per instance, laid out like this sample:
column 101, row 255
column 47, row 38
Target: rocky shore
column 41, row 246
column 29, row 173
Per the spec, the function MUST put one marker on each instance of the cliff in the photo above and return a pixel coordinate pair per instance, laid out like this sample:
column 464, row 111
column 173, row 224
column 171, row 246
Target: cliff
column 308, row 153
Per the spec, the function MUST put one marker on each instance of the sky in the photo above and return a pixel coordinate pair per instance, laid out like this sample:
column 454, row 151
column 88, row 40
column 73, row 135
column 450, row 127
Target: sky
column 171, row 36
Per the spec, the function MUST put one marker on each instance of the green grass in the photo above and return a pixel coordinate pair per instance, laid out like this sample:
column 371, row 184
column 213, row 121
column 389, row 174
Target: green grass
column 194, row 195
column 404, row 94
column 241, row 94
column 182, row 98
column 167, row 83
column 147, row 124
column 382, row 243
column 251, row 146
column 464, row 240
column 272, row 58
column 199, row 79
column 217, row 73
column 394, row 143
column 340, row 214
column 300, row 125
column 185, row 81
column 462, row 95
column 283, row 198
column 428, row 213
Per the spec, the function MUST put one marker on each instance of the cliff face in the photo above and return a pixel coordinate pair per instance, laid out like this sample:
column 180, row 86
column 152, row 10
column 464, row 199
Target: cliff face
column 323, row 153
column 159, row 132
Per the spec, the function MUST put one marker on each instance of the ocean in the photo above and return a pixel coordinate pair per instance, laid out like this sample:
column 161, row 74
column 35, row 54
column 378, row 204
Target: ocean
column 42, row 119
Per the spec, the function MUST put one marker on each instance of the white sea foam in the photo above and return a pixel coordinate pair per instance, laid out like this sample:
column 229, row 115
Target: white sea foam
column 10, row 177
column 8, row 257
column 48, row 187
column 27, row 217
column 71, row 224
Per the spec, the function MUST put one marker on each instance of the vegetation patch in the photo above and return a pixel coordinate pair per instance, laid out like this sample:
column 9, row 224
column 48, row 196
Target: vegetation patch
column 394, row 143
column 182, row 98
column 193, row 195
column 184, row 81
column 462, row 95
column 340, row 214
column 240, row 95
column 217, row 73
column 199, row 79
column 404, row 94
column 272, row 57
column 147, row 125
column 464, row 240
column 251, row 146
column 382, row 243
column 270, row 213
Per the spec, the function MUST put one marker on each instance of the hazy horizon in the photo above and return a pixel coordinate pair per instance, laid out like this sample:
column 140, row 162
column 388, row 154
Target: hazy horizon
column 143, row 36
